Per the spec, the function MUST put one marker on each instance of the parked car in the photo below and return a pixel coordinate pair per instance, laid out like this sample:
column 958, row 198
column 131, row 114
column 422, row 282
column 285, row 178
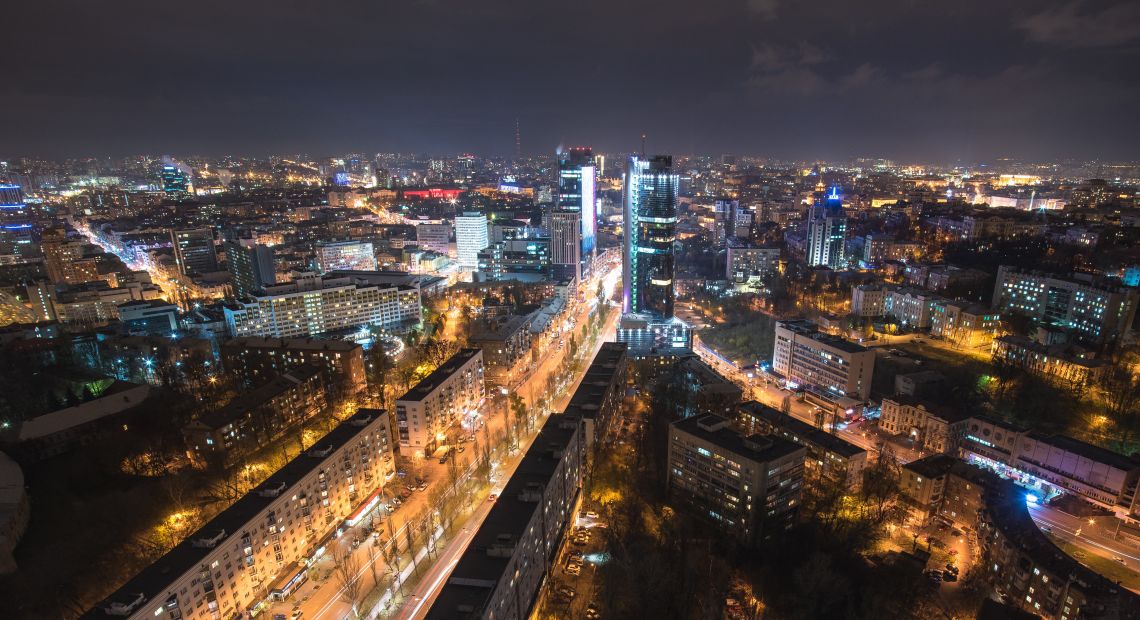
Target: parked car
column 592, row 612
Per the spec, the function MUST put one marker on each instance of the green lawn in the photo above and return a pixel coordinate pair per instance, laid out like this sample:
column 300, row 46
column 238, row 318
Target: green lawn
column 1107, row 567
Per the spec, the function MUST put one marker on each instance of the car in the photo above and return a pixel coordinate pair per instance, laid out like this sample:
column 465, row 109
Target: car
column 492, row 497
column 566, row 591
column 591, row 515
column 422, row 487
column 443, row 460
column 592, row 612
column 1117, row 558
column 949, row 576
column 297, row 615
column 574, row 569
column 462, row 448
column 950, row 567
column 935, row 576
column 577, row 555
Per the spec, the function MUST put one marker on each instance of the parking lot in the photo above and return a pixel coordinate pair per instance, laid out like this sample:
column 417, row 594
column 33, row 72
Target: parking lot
column 573, row 585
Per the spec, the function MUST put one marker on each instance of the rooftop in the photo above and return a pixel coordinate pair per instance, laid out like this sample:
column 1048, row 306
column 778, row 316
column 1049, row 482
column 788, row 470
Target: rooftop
column 258, row 396
column 714, row 429
column 296, row 344
column 431, row 382
column 154, row 580
column 801, row 430
column 479, row 568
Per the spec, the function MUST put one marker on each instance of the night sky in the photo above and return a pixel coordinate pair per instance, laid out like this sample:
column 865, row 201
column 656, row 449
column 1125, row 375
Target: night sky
column 929, row 80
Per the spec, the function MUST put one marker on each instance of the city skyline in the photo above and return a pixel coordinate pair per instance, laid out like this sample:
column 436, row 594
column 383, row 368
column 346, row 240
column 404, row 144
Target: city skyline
column 1042, row 79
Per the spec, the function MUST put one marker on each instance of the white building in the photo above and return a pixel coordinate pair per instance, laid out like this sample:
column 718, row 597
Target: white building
column 867, row 300
column 435, row 237
column 471, row 235
column 234, row 562
column 312, row 305
column 427, row 411
column 805, row 356
column 1096, row 312
column 744, row 263
column 348, row 255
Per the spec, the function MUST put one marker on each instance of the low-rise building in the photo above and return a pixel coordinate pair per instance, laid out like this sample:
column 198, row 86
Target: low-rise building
column 1053, row 462
column 428, row 411
column 942, row 486
column 1061, row 362
column 964, row 324
column 149, row 317
column 253, row 359
column 931, row 427
column 229, row 566
column 255, row 418
column 511, row 555
column 828, row 457
column 748, row 486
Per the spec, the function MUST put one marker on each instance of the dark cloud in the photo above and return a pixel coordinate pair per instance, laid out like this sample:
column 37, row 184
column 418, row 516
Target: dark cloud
column 906, row 79
column 1075, row 24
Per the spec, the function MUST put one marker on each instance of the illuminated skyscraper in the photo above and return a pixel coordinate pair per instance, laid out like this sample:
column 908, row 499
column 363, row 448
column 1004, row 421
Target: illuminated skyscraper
column 194, row 250
column 650, row 232
column 647, row 323
column 827, row 233
column 471, row 236
column 575, row 214
column 174, row 181
column 15, row 217
column 251, row 265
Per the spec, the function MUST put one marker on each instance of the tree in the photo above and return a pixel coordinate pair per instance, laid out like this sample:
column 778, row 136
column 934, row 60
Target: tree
column 346, row 569
column 1121, row 389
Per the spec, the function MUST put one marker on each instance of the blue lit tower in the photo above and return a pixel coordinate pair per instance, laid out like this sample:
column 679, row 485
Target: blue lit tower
column 15, row 217
column 573, row 223
column 174, row 181
column 651, row 230
column 827, row 232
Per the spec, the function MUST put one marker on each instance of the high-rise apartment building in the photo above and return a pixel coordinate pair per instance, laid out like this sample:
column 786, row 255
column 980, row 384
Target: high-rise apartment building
column 804, row 355
column 15, row 217
column 1094, row 312
column 747, row 486
column 471, row 235
column 434, row 237
column 427, row 411
column 232, row 564
column 251, row 265
column 346, row 255
column 577, row 194
column 827, row 233
column 194, row 251
column 314, row 306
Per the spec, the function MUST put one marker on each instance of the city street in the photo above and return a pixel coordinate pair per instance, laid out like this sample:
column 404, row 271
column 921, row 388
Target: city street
column 1091, row 535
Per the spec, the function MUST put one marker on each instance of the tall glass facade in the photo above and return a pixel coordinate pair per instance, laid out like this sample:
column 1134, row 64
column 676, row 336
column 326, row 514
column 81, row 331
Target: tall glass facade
column 651, row 231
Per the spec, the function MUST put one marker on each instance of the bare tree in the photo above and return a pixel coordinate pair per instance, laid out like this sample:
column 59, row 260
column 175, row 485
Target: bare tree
column 347, row 573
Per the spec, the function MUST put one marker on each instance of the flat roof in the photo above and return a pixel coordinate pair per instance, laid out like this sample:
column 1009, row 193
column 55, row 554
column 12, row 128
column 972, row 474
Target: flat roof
column 1005, row 503
column 807, row 328
column 256, row 397
column 760, row 448
column 154, row 580
column 429, row 383
column 1087, row 450
column 297, row 344
column 478, row 573
column 799, row 428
